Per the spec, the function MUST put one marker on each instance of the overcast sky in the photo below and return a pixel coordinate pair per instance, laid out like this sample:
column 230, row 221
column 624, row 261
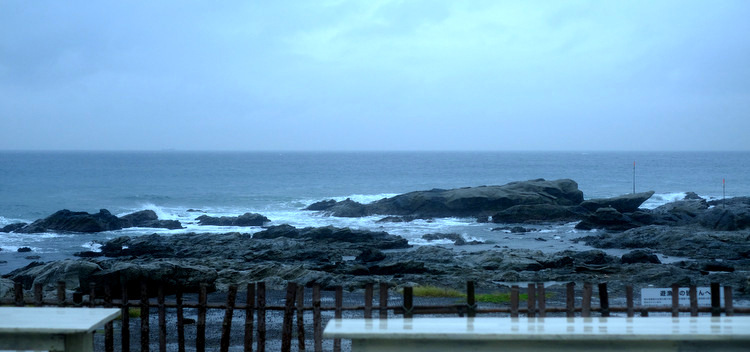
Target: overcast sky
column 375, row 75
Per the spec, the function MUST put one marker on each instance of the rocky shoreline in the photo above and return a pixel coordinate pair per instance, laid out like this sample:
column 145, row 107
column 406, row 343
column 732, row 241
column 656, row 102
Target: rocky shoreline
column 712, row 237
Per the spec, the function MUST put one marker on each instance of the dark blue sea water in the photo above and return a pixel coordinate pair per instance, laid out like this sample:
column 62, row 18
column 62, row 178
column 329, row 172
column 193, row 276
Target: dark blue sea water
column 33, row 185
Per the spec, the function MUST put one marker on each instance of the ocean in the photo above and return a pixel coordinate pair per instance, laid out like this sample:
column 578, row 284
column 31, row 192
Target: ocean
column 34, row 185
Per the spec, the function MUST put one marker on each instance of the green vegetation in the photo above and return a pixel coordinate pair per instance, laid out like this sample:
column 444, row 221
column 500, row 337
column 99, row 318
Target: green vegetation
column 434, row 291
column 497, row 297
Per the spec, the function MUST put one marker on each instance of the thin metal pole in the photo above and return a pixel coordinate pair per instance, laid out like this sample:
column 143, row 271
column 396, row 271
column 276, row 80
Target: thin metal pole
column 633, row 177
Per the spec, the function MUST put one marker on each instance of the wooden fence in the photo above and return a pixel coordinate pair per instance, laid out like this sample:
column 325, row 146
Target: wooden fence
column 256, row 310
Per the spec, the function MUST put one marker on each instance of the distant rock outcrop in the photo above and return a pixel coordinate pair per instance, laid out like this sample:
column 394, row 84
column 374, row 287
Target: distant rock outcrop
column 462, row 202
column 247, row 219
column 148, row 218
column 68, row 221
column 624, row 204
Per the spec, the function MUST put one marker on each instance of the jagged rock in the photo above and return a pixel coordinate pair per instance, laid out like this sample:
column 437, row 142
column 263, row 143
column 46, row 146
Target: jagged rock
column 371, row 239
column 624, row 204
column 322, row 205
column 397, row 219
column 13, row 227
column 539, row 213
column 169, row 273
column 608, row 218
column 48, row 274
column 6, row 288
column 148, row 218
column 692, row 196
column 88, row 254
column 694, row 242
column 369, row 255
column 682, row 212
column 23, row 250
column 457, row 239
column 726, row 219
column 68, row 221
column 152, row 245
column 409, row 267
column 247, row 219
column 639, row 256
column 462, row 202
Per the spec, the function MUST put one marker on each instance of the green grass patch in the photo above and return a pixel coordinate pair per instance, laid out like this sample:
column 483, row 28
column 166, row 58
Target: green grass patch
column 434, row 291
column 499, row 297
column 133, row 312
column 496, row 297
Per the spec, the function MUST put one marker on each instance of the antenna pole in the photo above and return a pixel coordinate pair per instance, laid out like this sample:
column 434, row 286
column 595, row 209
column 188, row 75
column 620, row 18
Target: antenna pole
column 633, row 177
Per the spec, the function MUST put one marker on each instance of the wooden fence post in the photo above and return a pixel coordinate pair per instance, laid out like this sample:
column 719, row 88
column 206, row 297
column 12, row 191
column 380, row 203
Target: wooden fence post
column 629, row 300
column 471, row 302
column 61, row 293
column 514, row 298
column 586, row 300
column 109, row 338
column 693, row 301
column 249, row 317
column 368, row 301
column 570, row 300
column 339, row 300
column 200, row 325
column 317, row 319
column 715, row 299
column 261, row 317
column 301, row 317
column 92, row 295
column 125, row 315
column 728, row 304
column 383, row 314
column 226, row 325
column 38, row 297
column 162, row 319
column 18, row 294
column 675, row 300
column 180, row 320
column 604, row 299
column 144, row 317
column 542, row 299
column 531, row 301
column 286, row 327
column 408, row 306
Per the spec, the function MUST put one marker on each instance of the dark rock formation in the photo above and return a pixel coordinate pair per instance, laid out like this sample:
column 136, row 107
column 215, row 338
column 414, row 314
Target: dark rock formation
column 370, row 239
column 13, row 227
column 148, row 218
column 68, row 221
column 608, row 218
column 247, row 219
column 539, row 213
column 624, row 204
column 369, row 255
column 681, row 241
column 24, row 250
column 639, row 256
column 679, row 213
column 726, row 219
column 457, row 239
column 462, row 202
column 322, row 205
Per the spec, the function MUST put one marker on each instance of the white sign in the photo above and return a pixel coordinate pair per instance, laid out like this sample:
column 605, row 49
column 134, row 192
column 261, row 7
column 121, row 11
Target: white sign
column 660, row 297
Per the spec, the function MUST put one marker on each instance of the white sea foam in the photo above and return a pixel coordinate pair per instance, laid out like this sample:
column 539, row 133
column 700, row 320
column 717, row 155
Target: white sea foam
column 660, row 199
column 161, row 212
column 92, row 246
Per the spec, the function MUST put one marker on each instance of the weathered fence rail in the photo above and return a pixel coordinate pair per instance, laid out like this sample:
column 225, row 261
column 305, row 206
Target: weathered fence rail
column 256, row 310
